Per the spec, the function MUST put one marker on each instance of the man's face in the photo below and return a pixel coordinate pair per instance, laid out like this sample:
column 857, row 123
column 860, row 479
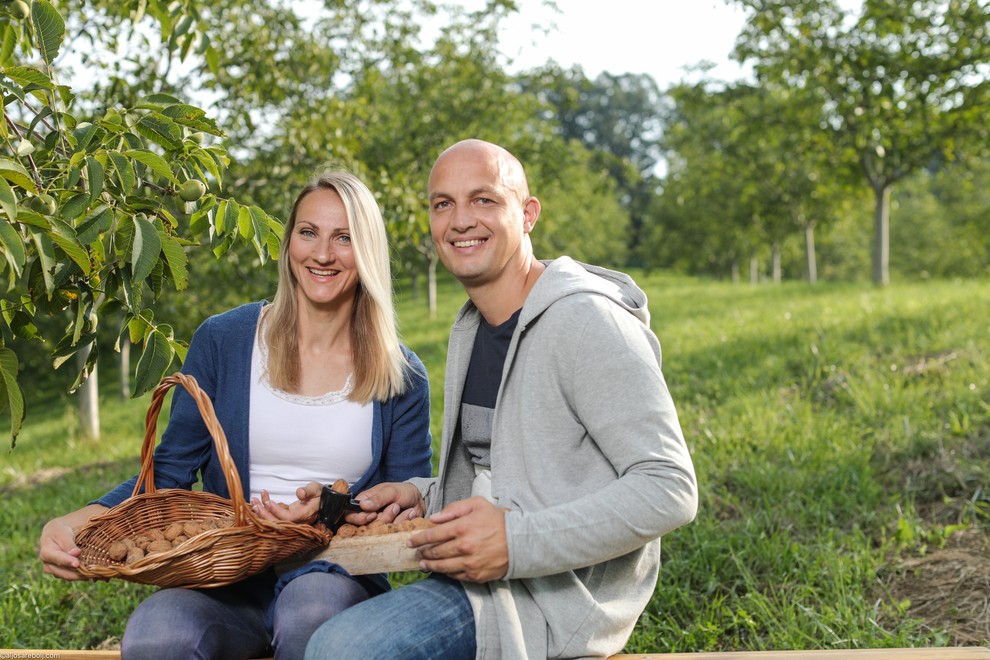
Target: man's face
column 478, row 217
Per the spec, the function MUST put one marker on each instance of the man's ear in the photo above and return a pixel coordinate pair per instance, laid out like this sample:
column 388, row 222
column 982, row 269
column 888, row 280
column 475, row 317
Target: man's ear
column 531, row 213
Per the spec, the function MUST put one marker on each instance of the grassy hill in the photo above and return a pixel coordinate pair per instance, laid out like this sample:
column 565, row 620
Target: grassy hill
column 841, row 435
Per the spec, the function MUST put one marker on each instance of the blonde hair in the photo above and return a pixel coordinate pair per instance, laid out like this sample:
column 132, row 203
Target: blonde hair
column 379, row 363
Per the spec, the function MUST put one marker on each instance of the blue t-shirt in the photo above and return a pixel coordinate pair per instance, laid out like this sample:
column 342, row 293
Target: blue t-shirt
column 484, row 377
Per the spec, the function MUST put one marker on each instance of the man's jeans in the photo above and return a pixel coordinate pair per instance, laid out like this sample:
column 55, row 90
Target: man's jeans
column 428, row 619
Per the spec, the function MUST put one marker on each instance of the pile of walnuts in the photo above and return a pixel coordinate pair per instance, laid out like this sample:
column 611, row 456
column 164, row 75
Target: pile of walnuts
column 379, row 527
column 162, row 540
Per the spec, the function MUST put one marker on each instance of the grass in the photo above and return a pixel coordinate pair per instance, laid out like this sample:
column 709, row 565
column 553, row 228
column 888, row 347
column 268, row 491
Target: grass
column 839, row 433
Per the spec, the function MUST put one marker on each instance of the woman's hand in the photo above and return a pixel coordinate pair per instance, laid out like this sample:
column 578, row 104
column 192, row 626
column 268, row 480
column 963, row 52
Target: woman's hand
column 57, row 548
column 303, row 510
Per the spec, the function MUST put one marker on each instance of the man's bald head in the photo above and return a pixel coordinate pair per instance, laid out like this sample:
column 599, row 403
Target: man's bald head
column 505, row 166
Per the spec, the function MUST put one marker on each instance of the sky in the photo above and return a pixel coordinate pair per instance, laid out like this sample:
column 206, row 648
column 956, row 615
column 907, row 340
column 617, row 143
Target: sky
column 661, row 38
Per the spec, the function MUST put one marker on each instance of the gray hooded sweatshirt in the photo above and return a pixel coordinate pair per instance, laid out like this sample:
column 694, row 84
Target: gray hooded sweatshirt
column 588, row 456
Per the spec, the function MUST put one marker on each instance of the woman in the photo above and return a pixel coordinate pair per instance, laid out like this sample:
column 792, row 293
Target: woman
column 311, row 388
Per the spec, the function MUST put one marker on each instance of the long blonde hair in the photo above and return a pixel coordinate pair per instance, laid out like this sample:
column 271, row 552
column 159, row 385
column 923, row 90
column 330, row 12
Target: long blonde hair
column 379, row 363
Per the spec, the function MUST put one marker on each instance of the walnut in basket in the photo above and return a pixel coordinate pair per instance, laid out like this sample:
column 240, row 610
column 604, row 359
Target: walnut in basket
column 162, row 540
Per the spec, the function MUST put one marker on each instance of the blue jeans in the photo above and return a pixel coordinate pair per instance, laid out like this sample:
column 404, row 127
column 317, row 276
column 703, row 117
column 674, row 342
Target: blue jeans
column 428, row 619
column 230, row 622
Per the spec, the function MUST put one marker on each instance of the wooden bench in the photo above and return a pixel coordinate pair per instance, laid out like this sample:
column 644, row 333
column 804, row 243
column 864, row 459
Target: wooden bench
column 936, row 653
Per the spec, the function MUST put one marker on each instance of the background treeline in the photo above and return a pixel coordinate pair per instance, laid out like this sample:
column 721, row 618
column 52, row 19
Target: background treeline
column 858, row 151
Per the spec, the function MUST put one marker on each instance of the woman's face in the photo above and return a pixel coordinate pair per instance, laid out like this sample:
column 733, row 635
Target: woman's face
column 320, row 252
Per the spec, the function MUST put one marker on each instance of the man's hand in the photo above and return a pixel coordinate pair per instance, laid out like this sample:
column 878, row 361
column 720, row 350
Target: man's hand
column 390, row 501
column 468, row 542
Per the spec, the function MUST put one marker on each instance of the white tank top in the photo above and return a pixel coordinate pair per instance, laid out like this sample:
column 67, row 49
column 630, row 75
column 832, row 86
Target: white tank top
column 297, row 439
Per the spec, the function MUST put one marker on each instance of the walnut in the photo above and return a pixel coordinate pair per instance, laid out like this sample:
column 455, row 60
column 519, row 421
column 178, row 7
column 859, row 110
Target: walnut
column 133, row 555
column 118, row 551
column 159, row 546
column 173, row 530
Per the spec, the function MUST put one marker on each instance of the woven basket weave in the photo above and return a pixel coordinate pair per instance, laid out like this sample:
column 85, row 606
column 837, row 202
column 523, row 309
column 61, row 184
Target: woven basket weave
column 209, row 559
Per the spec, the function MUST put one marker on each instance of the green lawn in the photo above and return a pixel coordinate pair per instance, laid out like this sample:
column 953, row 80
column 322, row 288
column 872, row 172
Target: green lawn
column 841, row 435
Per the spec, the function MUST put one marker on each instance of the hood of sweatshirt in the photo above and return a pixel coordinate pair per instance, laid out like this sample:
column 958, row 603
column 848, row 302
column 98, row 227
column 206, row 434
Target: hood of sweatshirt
column 565, row 276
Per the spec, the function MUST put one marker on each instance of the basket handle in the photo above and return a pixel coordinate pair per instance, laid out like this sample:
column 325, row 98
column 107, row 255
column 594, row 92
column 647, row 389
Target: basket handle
column 146, row 477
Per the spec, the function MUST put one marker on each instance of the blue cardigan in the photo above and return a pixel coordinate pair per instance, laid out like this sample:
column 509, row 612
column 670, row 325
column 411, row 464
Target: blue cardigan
column 219, row 358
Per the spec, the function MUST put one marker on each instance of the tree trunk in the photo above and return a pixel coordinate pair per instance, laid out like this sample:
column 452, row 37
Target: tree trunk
column 735, row 272
column 89, row 402
column 881, row 236
column 125, row 368
column 432, row 285
column 775, row 252
column 754, row 270
column 809, row 246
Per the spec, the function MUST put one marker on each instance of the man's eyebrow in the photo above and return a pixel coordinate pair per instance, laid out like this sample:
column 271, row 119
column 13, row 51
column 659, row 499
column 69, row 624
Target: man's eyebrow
column 487, row 191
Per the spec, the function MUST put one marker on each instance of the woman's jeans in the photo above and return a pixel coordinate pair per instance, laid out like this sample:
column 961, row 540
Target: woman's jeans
column 230, row 622
column 428, row 619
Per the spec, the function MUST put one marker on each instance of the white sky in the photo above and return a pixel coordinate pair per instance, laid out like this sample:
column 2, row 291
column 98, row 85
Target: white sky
column 661, row 38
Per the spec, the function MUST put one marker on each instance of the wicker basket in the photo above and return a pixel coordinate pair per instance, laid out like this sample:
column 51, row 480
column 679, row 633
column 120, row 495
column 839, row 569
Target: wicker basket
column 209, row 559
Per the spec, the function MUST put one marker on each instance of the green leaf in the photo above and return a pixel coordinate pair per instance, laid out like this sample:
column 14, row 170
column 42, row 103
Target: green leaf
column 80, row 323
column 273, row 245
column 138, row 327
column 180, row 348
column 26, row 75
column 232, row 215
column 8, row 40
column 87, row 370
column 11, row 391
column 175, row 256
column 158, row 101
column 244, row 226
column 19, row 320
column 49, row 29
column 154, row 361
column 213, row 60
column 46, row 258
column 259, row 221
column 8, row 202
column 65, row 237
column 84, row 133
column 75, row 206
column 125, row 171
column 203, row 158
column 95, row 174
column 220, row 244
column 182, row 112
column 31, row 218
column 68, row 346
column 161, row 130
column 220, row 221
column 14, row 172
column 98, row 221
column 152, row 160
column 156, row 281
column 13, row 245
column 146, row 250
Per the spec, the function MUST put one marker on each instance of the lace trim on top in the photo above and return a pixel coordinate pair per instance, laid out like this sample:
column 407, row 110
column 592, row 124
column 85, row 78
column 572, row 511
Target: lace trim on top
column 300, row 399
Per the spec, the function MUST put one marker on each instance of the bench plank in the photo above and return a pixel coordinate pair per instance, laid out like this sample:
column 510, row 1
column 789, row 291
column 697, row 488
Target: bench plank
column 941, row 653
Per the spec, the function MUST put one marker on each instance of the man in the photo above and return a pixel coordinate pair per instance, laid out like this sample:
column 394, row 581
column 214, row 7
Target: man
column 562, row 459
